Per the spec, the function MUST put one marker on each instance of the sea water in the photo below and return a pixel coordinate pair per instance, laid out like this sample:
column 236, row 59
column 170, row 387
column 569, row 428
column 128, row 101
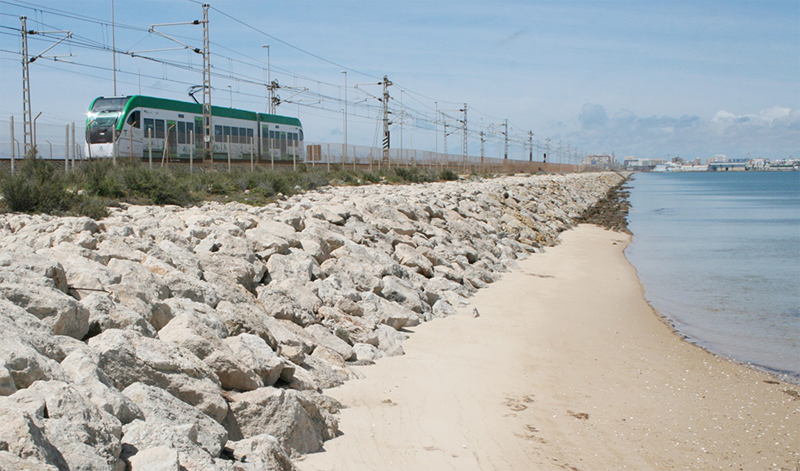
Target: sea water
column 718, row 254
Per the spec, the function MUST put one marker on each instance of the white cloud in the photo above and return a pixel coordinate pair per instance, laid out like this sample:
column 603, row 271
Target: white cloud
column 772, row 133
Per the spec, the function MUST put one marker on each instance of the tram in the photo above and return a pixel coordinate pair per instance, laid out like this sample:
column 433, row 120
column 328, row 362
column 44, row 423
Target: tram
column 140, row 126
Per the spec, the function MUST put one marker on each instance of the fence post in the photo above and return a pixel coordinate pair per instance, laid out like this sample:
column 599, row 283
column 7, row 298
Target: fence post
column 73, row 146
column 13, row 154
column 252, row 163
column 191, row 151
column 66, row 150
column 229, row 153
column 328, row 159
column 150, row 147
column 271, row 155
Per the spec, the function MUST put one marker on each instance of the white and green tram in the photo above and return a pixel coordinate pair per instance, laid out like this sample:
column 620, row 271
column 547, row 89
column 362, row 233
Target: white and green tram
column 139, row 126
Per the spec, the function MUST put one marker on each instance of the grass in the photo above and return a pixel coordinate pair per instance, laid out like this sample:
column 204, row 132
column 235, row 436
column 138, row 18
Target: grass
column 40, row 186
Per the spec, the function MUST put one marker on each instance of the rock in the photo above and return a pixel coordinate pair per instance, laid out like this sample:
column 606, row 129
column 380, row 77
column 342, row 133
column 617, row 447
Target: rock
column 163, row 410
column 325, row 338
column 11, row 461
column 235, row 268
column 388, row 312
column 394, row 289
column 410, row 257
column 21, row 365
column 367, row 353
column 293, row 417
column 106, row 314
column 159, row 458
column 296, row 265
column 245, row 318
column 256, row 354
column 127, row 357
column 23, row 437
column 280, row 304
column 85, row 436
column 442, row 309
column 315, row 246
column 55, row 309
column 262, row 452
column 95, row 385
column 475, row 312
column 351, row 329
column 390, row 341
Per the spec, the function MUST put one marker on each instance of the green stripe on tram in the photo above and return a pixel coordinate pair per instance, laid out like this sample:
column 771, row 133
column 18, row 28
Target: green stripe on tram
column 141, row 101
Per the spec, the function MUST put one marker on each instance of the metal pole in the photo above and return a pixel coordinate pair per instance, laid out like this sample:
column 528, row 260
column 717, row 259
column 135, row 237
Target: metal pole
column 229, row 154
column 26, row 88
column 271, row 155
column 269, row 81
column 436, row 126
column 150, row 147
column 329, row 157
column 113, row 48
column 34, row 131
column 13, row 154
column 208, row 150
column 386, row 143
column 401, row 126
column 505, row 147
column 252, row 162
column 483, row 139
column 465, row 135
column 130, row 139
column 191, row 151
column 344, row 155
column 51, row 148
column 294, row 155
column 66, row 150
column 73, row 146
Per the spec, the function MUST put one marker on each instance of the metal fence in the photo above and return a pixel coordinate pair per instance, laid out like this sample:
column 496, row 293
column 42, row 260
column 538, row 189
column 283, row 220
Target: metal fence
column 58, row 142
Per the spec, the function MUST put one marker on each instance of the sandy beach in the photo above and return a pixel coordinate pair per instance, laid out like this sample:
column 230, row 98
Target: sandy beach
column 567, row 367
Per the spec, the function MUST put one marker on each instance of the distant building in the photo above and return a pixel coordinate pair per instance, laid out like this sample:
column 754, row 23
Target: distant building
column 721, row 163
column 632, row 163
column 602, row 161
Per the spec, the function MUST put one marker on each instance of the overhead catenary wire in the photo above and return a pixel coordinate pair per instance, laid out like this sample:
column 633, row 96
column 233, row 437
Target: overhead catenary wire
column 421, row 116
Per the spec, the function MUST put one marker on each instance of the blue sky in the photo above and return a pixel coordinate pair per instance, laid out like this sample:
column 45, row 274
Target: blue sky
column 650, row 79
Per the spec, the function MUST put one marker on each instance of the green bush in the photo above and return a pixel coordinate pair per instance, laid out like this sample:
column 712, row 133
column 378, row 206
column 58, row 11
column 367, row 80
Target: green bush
column 156, row 186
column 448, row 175
column 36, row 188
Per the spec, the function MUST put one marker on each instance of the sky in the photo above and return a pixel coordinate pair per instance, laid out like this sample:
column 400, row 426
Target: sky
column 650, row 79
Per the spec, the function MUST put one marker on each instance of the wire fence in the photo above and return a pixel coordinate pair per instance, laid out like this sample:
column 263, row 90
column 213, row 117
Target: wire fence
column 67, row 142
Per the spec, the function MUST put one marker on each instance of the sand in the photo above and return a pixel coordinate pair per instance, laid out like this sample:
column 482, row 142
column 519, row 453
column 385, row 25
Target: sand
column 567, row 367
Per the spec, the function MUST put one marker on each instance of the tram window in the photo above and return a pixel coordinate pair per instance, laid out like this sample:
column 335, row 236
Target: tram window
column 135, row 119
column 198, row 129
column 226, row 131
column 301, row 135
column 234, row 135
column 149, row 123
column 181, row 132
column 218, row 134
column 249, row 135
column 243, row 136
column 159, row 129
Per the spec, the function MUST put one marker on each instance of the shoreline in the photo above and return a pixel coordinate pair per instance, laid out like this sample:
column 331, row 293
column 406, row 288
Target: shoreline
column 639, row 402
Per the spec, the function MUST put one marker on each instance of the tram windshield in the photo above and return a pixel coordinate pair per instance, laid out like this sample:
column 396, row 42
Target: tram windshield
column 103, row 118
column 109, row 104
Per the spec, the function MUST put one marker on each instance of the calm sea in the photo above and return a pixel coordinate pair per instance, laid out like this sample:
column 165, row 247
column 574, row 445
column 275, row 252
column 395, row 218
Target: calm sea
column 719, row 255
